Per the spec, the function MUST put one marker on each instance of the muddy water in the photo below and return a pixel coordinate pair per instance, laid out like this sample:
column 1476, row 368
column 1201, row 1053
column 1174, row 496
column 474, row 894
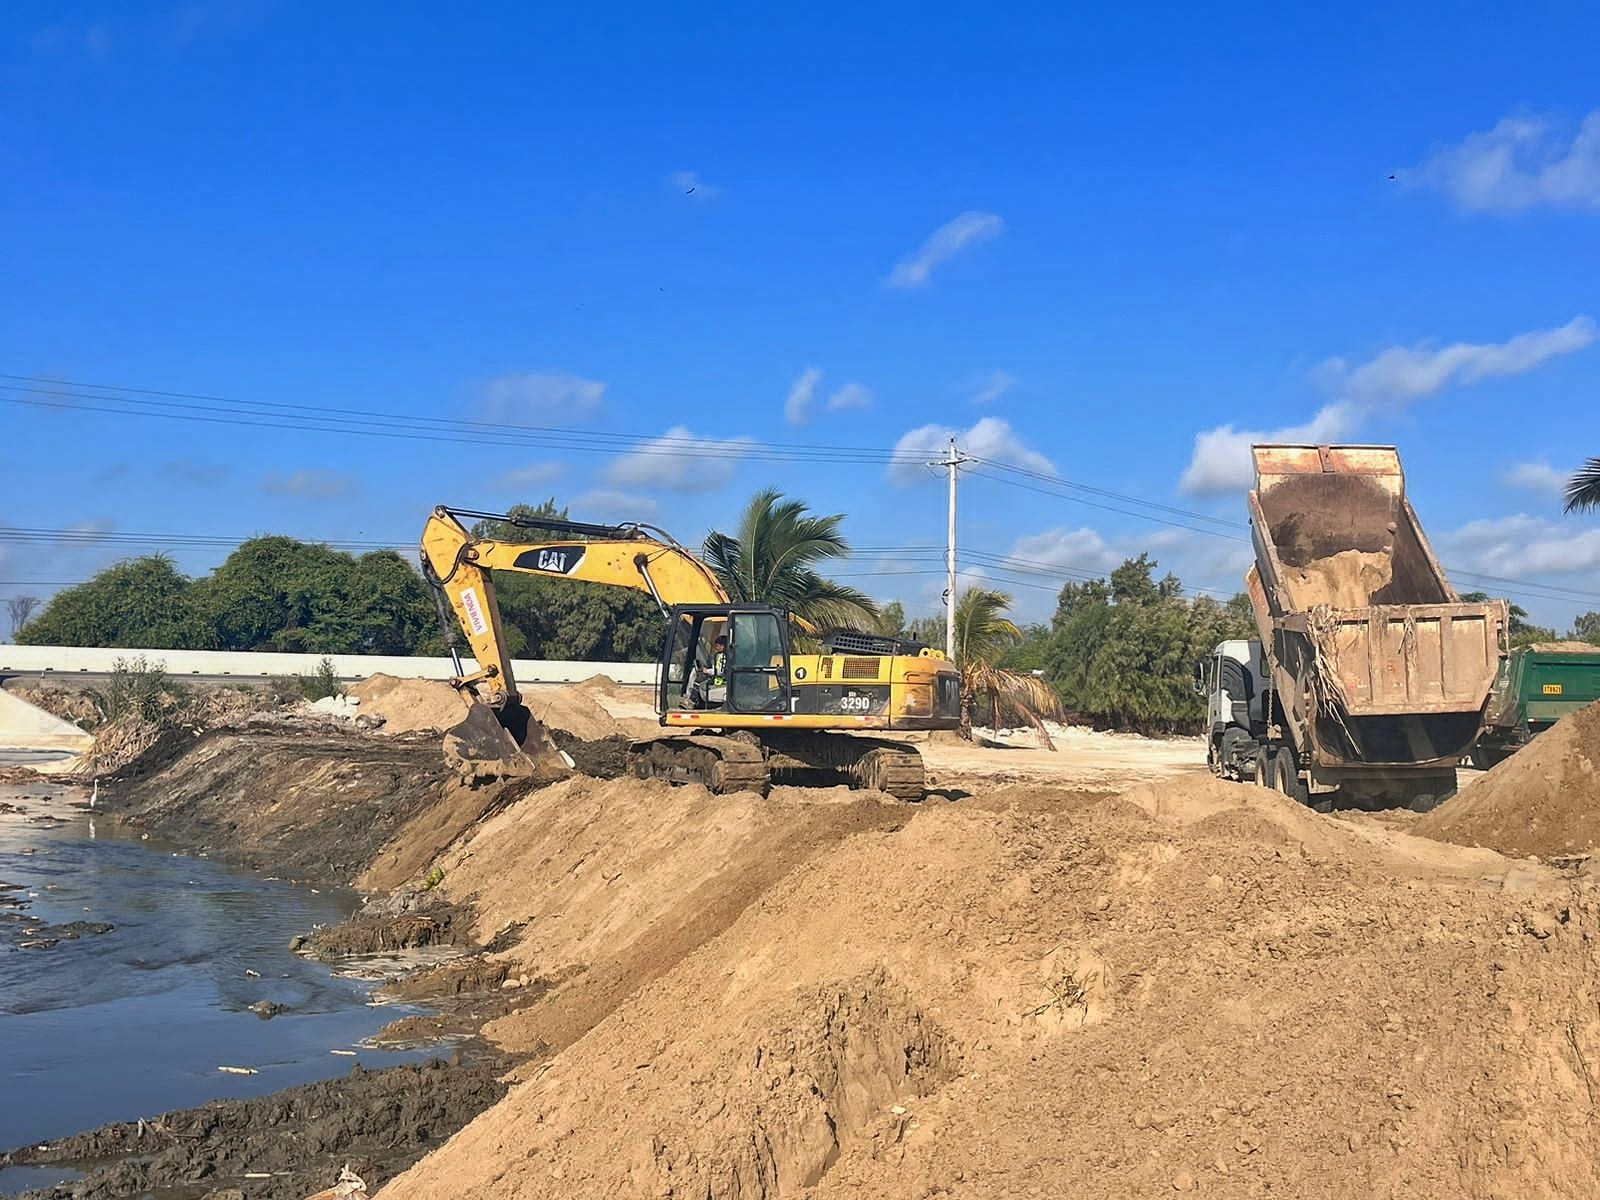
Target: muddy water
column 137, row 1020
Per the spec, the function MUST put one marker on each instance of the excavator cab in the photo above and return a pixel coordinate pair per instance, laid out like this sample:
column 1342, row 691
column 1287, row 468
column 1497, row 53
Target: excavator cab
column 751, row 675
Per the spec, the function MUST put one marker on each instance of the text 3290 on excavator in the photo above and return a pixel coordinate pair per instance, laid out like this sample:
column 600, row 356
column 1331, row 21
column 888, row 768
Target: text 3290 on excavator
column 739, row 706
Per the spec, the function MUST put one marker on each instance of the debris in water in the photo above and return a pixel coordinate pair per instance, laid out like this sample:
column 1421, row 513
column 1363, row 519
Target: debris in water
column 239, row 1070
column 346, row 1053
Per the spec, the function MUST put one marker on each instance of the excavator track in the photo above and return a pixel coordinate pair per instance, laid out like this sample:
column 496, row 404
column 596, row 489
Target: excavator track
column 893, row 768
column 721, row 765
column 743, row 762
column 862, row 762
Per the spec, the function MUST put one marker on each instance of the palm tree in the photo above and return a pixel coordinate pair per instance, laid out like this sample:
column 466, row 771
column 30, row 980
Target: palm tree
column 771, row 561
column 1583, row 491
column 983, row 634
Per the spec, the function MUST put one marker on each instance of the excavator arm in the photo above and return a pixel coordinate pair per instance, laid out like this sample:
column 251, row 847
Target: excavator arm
column 630, row 556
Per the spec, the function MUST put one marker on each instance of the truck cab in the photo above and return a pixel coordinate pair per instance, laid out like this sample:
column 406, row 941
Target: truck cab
column 1233, row 681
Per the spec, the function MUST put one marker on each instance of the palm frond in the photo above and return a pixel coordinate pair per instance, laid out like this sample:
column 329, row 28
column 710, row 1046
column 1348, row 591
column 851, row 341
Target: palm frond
column 1583, row 490
column 771, row 559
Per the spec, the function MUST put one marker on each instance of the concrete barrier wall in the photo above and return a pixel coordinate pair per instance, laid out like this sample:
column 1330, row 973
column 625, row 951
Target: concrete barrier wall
column 71, row 660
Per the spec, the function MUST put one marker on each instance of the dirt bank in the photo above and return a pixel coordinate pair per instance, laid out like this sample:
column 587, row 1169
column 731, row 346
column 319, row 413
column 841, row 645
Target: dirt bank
column 376, row 1121
column 1195, row 986
column 308, row 802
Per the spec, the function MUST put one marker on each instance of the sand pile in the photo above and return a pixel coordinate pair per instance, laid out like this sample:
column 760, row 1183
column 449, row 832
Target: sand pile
column 409, row 705
column 1343, row 580
column 1026, row 991
column 1564, row 648
column 1543, row 800
column 573, row 710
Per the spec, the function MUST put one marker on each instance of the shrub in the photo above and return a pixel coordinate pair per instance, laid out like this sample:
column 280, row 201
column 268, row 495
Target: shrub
column 323, row 684
column 141, row 690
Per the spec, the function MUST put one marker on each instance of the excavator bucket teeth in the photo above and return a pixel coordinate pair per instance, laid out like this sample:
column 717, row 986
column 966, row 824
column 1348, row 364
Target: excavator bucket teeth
column 485, row 747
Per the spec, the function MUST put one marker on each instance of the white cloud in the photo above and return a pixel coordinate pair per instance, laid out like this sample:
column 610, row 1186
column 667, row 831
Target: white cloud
column 797, row 408
column 969, row 229
column 690, row 183
column 1521, row 163
column 680, row 461
column 1521, row 545
column 1405, row 373
column 1536, row 477
column 851, row 395
column 1081, row 549
column 990, row 438
column 545, row 396
column 1389, row 382
column 997, row 384
column 531, row 476
column 606, row 504
column 309, row 484
column 1221, row 461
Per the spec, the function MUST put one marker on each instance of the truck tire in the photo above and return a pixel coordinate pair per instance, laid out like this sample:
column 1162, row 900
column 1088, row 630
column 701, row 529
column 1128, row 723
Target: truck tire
column 1286, row 775
column 1263, row 768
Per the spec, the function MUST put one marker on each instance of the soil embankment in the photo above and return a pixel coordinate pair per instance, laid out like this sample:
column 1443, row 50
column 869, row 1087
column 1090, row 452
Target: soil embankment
column 314, row 801
column 1148, row 993
column 1184, row 986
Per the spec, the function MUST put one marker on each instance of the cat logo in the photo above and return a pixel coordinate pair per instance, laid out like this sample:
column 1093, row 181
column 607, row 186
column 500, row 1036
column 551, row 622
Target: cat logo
column 562, row 560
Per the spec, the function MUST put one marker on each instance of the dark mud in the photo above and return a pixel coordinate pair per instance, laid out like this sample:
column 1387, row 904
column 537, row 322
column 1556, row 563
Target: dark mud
column 377, row 1122
column 384, row 933
column 604, row 758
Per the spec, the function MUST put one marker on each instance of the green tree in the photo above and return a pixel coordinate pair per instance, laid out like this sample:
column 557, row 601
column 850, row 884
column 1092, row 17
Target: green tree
column 891, row 619
column 772, row 561
column 1121, row 651
column 140, row 602
column 277, row 593
column 1583, row 491
column 984, row 633
column 1586, row 628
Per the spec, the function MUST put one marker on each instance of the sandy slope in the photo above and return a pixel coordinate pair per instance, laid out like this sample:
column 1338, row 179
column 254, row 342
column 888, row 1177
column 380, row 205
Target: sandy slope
column 1193, row 986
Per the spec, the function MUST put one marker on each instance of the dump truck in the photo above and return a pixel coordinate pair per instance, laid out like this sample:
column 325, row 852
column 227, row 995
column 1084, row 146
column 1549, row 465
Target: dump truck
column 1537, row 686
column 1371, row 678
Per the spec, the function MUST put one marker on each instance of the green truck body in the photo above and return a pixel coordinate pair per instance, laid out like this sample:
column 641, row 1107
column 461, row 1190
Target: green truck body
column 1537, row 686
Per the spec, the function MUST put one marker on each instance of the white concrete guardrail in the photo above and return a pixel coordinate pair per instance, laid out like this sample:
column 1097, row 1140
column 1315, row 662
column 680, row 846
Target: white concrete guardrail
column 250, row 665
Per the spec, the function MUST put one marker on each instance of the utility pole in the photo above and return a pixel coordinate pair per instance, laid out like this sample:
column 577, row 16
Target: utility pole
column 953, row 459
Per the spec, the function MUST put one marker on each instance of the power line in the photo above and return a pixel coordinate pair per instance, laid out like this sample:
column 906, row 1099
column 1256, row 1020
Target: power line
column 38, row 391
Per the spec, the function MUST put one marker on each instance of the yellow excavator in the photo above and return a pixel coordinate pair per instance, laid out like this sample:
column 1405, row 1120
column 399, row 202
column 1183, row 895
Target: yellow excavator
column 738, row 707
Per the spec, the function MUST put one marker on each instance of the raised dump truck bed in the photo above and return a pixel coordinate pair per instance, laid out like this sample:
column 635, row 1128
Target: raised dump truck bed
column 1379, row 672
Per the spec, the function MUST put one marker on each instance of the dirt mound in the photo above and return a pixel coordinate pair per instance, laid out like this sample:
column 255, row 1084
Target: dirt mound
column 1564, row 648
column 1145, row 993
column 573, row 710
column 1344, row 580
column 409, row 705
column 1544, row 800
column 609, row 688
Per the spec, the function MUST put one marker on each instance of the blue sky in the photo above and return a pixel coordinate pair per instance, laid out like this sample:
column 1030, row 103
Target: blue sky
column 1082, row 240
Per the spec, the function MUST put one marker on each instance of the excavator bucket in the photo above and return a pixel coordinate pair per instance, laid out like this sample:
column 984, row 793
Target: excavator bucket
column 485, row 747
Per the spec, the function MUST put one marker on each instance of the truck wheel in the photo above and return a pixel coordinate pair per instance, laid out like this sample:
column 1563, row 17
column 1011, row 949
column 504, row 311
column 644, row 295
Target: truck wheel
column 1286, row 775
column 1263, row 768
